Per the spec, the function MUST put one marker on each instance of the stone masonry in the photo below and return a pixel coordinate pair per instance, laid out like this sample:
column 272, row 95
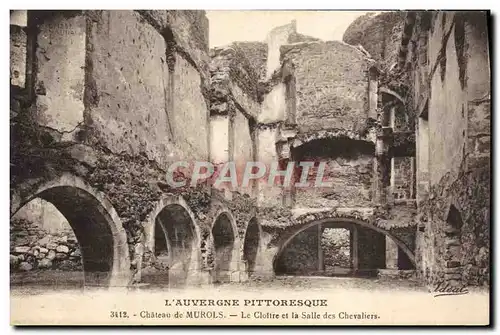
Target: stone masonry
column 142, row 90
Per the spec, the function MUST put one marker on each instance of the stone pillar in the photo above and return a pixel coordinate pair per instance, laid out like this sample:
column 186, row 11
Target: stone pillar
column 392, row 177
column 354, row 249
column 391, row 254
column 422, row 171
column 221, row 144
column 290, row 98
column 284, row 154
column 194, row 271
column 321, row 259
column 373, row 93
column 264, row 268
column 382, row 166
column 288, row 133
column 267, row 194
column 234, row 268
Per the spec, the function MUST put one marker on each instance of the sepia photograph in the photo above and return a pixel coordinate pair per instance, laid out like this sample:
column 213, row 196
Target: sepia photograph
column 251, row 167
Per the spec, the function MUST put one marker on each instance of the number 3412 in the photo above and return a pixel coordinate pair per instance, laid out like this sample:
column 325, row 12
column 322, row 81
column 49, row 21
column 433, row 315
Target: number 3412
column 120, row 314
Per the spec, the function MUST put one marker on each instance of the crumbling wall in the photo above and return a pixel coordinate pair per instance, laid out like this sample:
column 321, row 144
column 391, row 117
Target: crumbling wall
column 331, row 85
column 349, row 170
column 130, row 79
column 473, row 53
column 443, row 255
column 189, row 30
column 234, row 108
column 17, row 56
column 350, row 180
column 379, row 34
column 256, row 53
column 114, row 128
column 45, row 215
column 453, row 239
column 34, row 247
column 286, row 34
column 233, row 80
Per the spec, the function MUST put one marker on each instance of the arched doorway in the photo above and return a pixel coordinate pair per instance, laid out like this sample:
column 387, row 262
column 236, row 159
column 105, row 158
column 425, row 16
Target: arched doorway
column 302, row 251
column 101, row 239
column 251, row 245
column 223, row 233
column 175, row 242
column 453, row 233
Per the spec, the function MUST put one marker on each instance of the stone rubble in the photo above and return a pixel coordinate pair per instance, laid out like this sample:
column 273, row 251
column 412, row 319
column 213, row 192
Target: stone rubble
column 33, row 249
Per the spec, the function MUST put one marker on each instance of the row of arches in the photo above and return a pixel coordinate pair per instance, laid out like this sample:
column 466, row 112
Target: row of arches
column 170, row 232
column 173, row 236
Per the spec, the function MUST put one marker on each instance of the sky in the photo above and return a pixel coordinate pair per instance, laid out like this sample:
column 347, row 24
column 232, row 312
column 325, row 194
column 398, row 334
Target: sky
column 230, row 26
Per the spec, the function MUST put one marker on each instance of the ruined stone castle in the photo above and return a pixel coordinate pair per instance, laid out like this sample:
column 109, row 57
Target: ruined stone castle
column 102, row 102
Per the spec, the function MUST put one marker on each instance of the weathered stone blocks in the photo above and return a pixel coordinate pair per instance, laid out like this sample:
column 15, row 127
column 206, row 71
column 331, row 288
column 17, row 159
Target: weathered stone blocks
column 47, row 252
column 60, row 58
column 17, row 56
column 331, row 85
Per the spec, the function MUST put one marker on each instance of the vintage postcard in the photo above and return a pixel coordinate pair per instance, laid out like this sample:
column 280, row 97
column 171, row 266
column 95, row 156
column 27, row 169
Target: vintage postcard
column 199, row 167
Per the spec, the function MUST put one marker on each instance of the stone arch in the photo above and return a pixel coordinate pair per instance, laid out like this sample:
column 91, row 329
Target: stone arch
column 96, row 225
column 176, row 256
column 251, row 244
column 322, row 218
column 226, row 245
column 303, row 139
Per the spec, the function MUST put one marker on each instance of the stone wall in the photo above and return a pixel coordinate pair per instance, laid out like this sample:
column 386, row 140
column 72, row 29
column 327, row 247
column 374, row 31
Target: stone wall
column 45, row 215
column 256, row 53
column 335, row 243
column 453, row 238
column 331, row 81
column 349, row 170
column 371, row 246
column 17, row 56
column 234, row 78
column 403, row 178
column 379, row 34
column 243, row 147
column 135, row 102
column 34, row 246
column 143, row 92
column 110, row 76
column 190, row 116
column 234, row 108
column 189, row 30
column 447, row 104
column 300, row 256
